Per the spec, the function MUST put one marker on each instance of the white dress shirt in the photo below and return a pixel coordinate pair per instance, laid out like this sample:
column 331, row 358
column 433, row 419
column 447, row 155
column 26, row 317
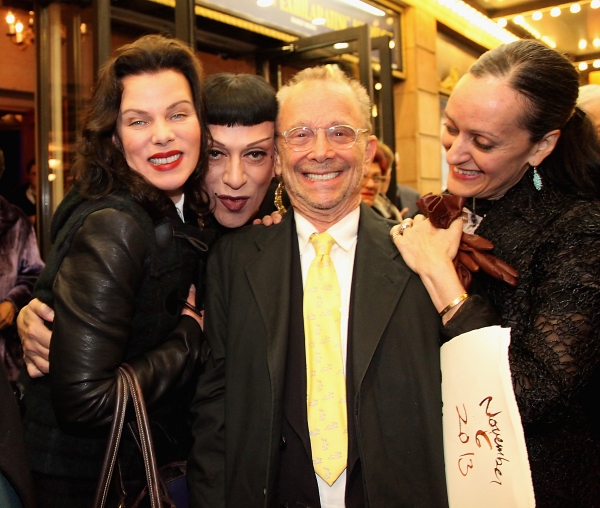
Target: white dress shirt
column 345, row 234
column 179, row 207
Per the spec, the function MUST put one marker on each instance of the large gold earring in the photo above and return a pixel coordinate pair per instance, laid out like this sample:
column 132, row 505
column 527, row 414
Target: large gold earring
column 278, row 201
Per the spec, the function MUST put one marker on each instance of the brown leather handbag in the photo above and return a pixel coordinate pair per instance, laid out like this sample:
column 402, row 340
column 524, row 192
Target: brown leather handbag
column 127, row 386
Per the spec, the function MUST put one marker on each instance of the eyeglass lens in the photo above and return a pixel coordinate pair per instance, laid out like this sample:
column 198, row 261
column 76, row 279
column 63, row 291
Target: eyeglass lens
column 339, row 135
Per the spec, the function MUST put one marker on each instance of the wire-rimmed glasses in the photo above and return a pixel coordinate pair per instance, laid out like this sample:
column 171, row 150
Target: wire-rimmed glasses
column 341, row 137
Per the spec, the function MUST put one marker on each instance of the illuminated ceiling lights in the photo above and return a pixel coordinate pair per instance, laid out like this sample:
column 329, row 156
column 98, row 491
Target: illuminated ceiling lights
column 584, row 65
column 555, row 11
column 363, row 6
column 357, row 4
column 520, row 21
column 478, row 19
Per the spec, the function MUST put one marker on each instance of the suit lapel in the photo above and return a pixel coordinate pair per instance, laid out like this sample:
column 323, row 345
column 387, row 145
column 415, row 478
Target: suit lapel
column 378, row 283
column 269, row 279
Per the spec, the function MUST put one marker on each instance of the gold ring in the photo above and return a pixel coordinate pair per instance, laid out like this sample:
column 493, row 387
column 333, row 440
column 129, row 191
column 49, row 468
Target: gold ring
column 395, row 234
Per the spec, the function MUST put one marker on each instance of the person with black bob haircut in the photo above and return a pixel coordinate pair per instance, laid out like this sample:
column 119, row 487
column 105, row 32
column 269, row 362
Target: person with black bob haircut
column 241, row 109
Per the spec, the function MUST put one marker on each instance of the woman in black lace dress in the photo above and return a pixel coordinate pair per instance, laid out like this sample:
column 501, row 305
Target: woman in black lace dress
column 528, row 161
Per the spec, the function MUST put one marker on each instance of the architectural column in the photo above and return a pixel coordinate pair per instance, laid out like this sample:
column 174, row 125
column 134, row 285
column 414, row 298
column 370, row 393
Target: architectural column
column 417, row 108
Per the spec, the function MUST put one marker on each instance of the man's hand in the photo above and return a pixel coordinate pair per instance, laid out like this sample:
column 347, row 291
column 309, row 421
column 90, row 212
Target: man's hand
column 35, row 337
column 7, row 314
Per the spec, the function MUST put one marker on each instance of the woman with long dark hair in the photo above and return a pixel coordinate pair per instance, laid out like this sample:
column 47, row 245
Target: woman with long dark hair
column 126, row 251
column 528, row 162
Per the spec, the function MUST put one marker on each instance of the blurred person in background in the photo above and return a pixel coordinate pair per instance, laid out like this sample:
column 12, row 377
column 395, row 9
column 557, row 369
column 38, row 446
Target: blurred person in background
column 20, row 266
column 405, row 204
column 24, row 196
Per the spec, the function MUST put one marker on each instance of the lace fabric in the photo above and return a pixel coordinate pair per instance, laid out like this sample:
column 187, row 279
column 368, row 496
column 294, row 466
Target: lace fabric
column 553, row 241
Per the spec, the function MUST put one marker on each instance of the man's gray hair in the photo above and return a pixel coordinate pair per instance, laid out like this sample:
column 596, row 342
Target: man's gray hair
column 333, row 74
column 588, row 94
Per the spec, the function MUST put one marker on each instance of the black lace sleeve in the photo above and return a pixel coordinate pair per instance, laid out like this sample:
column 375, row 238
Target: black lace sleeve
column 557, row 349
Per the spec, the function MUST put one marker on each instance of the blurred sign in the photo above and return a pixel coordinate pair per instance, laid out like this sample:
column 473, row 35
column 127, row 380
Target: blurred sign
column 308, row 17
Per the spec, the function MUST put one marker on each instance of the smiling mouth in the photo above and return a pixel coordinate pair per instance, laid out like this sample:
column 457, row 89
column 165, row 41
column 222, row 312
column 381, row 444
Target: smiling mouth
column 161, row 161
column 233, row 204
column 322, row 177
column 466, row 172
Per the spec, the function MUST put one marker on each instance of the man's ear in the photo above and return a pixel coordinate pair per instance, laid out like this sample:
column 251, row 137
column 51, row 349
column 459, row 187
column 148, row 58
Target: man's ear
column 544, row 147
column 277, row 164
column 370, row 151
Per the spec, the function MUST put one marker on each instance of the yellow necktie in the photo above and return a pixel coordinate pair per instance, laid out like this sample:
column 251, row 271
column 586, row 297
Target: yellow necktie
column 326, row 382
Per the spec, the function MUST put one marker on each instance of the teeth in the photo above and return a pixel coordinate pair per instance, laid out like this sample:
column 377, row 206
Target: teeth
column 464, row 171
column 321, row 176
column 166, row 160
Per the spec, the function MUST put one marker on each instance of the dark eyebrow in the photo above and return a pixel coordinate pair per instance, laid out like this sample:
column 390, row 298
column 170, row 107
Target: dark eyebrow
column 143, row 112
column 216, row 142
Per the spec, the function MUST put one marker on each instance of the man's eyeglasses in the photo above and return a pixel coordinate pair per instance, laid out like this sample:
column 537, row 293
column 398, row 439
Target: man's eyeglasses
column 341, row 137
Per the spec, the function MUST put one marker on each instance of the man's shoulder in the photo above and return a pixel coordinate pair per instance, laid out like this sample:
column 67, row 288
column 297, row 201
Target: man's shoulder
column 240, row 240
column 372, row 221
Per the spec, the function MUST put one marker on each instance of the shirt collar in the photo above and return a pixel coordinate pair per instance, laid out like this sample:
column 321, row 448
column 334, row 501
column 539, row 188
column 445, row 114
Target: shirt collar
column 344, row 232
column 179, row 207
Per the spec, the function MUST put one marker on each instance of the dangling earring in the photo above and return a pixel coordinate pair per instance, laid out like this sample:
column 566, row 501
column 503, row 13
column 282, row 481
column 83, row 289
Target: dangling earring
column 537, row 179
column 278, row 201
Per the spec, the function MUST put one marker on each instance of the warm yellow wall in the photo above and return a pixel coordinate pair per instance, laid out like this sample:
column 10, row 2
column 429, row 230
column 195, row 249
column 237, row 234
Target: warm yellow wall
column 417, row 99
column 416, row 103
column 454, row 21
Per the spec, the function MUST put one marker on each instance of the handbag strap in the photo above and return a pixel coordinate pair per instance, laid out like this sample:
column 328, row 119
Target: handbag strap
column 114, row 439
column 127, row 385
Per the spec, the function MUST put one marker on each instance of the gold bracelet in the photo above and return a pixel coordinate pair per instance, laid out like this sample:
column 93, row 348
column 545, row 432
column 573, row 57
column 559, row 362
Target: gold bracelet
column 454, row 303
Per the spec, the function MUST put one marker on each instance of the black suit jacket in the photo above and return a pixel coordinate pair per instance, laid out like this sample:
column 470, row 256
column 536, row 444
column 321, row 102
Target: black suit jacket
column 394, row 335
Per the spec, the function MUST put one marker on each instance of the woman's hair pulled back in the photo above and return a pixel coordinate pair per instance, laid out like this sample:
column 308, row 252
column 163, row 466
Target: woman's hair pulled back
column 549, row 85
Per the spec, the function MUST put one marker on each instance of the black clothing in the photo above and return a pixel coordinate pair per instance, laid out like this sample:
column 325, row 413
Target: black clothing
column 240, row 406
column 18, row 197
column 14, row 465
column 553, row 241
column 117, row 280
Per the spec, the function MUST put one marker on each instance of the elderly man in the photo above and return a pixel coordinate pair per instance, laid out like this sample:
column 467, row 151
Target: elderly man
column 289, row 335
column 589, row 101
